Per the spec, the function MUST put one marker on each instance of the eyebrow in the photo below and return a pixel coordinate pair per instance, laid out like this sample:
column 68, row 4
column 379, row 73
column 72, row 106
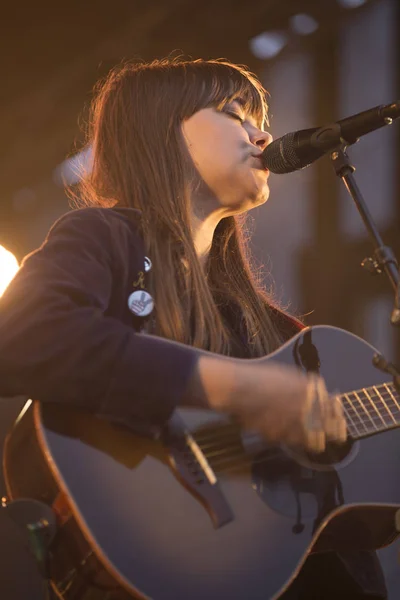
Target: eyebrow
column 240, row 101
column 242, row 105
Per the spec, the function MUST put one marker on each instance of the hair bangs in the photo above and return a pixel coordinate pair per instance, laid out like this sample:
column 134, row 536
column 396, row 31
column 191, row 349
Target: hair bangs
column 229, row 83
column 215, row 83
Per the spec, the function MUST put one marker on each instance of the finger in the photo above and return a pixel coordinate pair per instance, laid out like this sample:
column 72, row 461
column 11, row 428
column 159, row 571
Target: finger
column 342, row 425
column 316, row 414
column 312, row 413
column 316, row 441
column 332, row 413
column 335, row 422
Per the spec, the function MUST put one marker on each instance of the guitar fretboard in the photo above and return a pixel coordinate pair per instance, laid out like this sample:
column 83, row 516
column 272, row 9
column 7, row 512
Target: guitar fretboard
column 370, row 410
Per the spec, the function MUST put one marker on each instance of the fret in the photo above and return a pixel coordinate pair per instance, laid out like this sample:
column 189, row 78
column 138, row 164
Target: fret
column 347, row 397
column 392, row 396
column 387, row 397
column 385, row 405
column 365, row 410
column 394, row 410
column 368, row 410
column 351, row 426
column 353, row 431
column 372, row 403
column 347, row 415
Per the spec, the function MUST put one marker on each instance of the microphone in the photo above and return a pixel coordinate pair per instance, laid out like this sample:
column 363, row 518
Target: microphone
column 299, row 149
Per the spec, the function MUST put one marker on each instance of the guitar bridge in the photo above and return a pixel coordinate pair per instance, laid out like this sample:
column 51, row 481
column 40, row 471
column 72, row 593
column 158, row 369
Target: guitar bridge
column 192, row 469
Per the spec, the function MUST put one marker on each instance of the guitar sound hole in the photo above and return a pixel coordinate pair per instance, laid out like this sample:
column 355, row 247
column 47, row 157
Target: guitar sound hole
column 335, row 456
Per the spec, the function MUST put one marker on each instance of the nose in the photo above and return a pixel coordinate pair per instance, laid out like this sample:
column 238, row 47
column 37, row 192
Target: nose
column 261, row 139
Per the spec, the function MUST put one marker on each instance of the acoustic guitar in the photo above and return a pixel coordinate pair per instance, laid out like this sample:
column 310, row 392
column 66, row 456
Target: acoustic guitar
column 207, row 511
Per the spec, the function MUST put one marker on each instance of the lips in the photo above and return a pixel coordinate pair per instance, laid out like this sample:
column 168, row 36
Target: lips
column 260, row 164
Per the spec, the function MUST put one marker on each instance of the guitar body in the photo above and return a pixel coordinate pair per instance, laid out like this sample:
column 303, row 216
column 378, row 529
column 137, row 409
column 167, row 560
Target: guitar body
column 218, row 518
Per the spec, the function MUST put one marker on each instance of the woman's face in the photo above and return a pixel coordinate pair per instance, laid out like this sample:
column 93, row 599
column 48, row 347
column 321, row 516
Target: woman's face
column 225, row 147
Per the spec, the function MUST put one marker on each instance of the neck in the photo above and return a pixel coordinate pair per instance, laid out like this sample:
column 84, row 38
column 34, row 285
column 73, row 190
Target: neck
column 203, row 232
column 206, row 213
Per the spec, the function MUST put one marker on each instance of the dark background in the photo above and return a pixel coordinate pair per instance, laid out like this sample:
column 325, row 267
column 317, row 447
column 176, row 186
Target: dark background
column 51, row 55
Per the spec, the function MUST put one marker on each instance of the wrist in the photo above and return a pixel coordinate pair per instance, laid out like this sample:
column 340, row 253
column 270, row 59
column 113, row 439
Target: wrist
column 214, row 383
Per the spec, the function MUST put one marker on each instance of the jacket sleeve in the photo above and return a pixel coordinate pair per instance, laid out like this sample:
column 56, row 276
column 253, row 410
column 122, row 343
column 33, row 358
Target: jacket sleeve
column 58, row 345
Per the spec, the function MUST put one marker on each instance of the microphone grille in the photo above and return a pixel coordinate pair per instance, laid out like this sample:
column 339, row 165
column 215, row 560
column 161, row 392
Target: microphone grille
column 280, row 156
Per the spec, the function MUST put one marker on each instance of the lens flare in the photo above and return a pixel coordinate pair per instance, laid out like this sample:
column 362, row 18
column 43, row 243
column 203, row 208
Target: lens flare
column 8, row 268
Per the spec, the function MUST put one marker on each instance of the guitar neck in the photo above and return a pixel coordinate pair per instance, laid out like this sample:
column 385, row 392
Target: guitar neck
column 371, row 410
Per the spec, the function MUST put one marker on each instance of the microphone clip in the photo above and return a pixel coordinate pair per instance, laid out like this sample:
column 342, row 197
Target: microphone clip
column 330, row 138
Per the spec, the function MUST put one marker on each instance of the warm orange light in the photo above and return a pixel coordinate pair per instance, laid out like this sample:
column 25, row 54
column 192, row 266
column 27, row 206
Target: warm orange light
column 8, row 268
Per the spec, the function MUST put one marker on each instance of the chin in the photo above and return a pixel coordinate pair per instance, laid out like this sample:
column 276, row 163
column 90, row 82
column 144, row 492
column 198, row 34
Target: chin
column 260, row 199
column 249, row 204
column 249, row 201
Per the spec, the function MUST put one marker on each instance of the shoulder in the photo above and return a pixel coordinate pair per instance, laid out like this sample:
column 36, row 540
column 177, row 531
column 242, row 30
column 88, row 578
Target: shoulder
column 104, row 229
column 102, row 235
column 98, row 220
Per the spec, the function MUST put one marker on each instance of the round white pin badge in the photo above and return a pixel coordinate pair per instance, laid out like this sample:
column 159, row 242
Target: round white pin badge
column 140, row 303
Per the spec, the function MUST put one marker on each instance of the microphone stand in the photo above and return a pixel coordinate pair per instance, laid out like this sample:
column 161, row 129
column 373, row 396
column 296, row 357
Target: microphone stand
column 383, row 259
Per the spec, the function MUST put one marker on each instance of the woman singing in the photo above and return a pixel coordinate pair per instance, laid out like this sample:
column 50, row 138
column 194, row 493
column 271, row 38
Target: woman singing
column 144, row 300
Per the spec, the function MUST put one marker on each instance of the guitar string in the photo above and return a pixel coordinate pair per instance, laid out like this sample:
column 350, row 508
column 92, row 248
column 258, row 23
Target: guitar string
column 216, row 439
column 238, row 467
column 385, row 394
column 376, row 419
column 371, row 409
column 232, row 450
column 386, row 385
column 216, row 442
column 232, row 429
column 239, row 452
column 245, row 461
column 236, row 436
column 242, row 457
column 373, row 414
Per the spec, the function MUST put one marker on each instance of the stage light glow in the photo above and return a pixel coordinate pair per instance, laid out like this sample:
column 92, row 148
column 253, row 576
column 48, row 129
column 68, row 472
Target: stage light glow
column 303, row 24
column 268, row 44
column 8, row 268
column 72, row 169
column 351, row 3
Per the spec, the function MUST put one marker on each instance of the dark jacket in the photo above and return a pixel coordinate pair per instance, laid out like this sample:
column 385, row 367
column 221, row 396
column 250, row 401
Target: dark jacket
column 67, row 334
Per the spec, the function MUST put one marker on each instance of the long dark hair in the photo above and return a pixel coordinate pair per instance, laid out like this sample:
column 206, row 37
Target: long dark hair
column 140, row 160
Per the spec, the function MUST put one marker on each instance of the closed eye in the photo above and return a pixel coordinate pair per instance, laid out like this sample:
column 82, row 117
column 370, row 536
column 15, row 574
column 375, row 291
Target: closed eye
column 234, row 116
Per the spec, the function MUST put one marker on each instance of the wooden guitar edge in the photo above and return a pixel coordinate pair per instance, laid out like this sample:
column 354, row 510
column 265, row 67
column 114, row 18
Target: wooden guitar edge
column 73, row 529
column 56, row 495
